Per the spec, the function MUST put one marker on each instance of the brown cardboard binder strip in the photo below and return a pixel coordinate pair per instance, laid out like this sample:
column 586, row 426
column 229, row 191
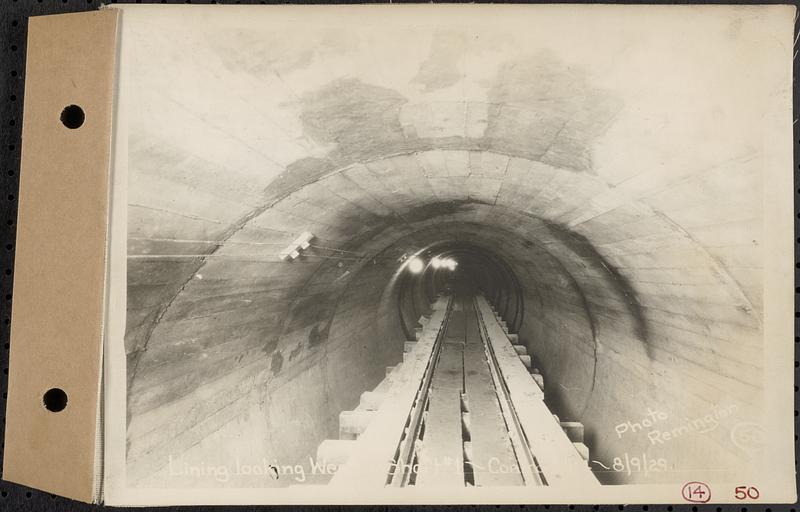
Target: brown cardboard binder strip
column 60, row 264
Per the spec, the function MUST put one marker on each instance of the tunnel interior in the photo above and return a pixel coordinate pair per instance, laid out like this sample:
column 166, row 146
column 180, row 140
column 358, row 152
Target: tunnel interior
column 342, row 313
column 458, row 265
column 633, row 276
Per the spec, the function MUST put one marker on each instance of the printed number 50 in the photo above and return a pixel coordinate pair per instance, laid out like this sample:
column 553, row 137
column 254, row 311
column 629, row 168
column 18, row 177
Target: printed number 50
column 744, row 491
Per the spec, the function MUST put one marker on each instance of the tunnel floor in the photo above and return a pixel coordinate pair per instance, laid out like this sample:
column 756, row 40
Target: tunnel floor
column 460, row 425
column 463, row 417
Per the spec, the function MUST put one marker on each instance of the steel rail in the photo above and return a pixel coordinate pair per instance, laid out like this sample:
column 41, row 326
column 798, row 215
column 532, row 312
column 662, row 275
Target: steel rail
column 531, row 472
column 404, row 456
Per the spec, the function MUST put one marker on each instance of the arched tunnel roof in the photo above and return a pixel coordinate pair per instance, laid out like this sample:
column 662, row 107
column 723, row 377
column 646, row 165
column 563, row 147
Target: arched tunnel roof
column 647, row 253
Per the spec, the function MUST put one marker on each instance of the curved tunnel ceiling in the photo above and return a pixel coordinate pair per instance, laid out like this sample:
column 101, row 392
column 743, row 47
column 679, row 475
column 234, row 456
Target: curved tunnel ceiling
column 639, row 261
column 380, row 202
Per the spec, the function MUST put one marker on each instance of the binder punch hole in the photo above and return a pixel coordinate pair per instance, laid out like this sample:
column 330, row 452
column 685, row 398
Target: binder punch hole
column 54, row 400
column 72, row 117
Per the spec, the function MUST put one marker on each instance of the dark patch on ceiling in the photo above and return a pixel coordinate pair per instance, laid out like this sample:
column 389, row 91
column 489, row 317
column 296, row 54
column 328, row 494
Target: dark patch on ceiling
column 296, row 351
column 362, row 119
column 276, row 363
column 264, row 53
column 318, row 335
column 271, row 345
column 430, row 210
column 298, row 174
column 545, row 109
column 441, row 69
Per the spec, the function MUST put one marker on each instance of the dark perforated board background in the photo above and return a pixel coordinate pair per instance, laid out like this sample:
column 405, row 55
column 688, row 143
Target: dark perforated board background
column 13, row 32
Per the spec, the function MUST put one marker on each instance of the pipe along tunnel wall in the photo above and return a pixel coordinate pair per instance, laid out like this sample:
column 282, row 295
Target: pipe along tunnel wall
column 633, row 277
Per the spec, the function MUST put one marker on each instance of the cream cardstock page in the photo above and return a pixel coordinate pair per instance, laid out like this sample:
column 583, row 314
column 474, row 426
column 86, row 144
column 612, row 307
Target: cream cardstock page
column 451, row 254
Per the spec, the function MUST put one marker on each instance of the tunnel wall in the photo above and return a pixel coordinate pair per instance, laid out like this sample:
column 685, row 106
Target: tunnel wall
column 669, row 351
column 276, row 404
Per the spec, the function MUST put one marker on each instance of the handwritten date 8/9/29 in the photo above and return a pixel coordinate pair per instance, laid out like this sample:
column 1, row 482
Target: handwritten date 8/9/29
column 636, row 464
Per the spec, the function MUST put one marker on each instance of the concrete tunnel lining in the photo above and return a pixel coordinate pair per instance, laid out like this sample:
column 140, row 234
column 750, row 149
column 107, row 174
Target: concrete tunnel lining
column 316, row 306
column 638, row 273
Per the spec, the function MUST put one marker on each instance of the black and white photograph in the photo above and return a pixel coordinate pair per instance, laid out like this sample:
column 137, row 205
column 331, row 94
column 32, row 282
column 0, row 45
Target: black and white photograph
column 451, row 254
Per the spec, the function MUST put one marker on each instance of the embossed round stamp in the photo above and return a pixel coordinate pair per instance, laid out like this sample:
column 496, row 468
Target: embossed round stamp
column 748, row 436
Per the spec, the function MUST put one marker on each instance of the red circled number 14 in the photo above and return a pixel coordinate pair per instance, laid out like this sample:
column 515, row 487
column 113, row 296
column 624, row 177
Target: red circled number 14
column 696, row 492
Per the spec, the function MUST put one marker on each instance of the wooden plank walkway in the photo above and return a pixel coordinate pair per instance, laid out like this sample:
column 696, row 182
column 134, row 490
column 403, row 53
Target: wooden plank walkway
column 479, row 433
column 493, row 459
column 560, row 463
column 441, row 451
column 369, row 463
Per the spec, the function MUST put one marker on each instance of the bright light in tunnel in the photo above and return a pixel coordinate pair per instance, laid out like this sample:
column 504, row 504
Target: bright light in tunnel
column 447, row 263
column 416, row 265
